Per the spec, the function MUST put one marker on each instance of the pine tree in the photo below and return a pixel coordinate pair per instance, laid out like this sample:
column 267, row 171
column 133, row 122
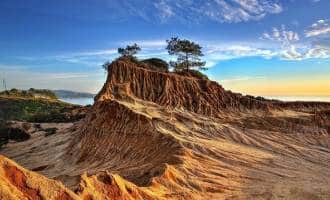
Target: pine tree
column 188, row 54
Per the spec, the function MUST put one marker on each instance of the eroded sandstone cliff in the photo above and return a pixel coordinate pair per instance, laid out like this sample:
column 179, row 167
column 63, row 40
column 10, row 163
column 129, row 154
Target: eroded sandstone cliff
column 156, row 135
column 127, row 80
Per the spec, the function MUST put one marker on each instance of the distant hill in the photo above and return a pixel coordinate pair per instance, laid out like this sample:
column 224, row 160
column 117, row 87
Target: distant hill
column 36, row 105
column 30, row 93
column 72, row 94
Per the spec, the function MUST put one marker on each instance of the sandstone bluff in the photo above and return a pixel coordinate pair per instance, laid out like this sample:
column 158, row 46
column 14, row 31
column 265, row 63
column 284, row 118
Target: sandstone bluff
column 157, row 135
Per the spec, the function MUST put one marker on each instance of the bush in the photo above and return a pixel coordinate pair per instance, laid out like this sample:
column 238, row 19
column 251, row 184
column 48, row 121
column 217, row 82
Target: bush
column 261, row 98
column 9, row 133
column 156, row 64
column 50, row 131
column 14, row 91
column 132, row 59
column 42, row 92
column 193, row 73
column 17, row 134
column 38, row 126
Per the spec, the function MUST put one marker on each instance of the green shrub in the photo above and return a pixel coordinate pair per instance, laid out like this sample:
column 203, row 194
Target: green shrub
column 36, row 110
column 29, row 93
column 193, row 73
column 42, row 92
column 132, row 59
column 50, row 131
column 156, row 64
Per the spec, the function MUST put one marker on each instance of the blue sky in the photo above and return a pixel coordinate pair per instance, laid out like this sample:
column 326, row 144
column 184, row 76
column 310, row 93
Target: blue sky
column 260, row 47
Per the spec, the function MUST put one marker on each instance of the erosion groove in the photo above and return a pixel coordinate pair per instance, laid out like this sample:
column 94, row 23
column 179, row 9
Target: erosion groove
column 18, row 183
column 127, row 141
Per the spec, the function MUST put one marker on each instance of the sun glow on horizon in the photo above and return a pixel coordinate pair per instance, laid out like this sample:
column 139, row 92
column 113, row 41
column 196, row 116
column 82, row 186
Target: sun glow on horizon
column 315, row 86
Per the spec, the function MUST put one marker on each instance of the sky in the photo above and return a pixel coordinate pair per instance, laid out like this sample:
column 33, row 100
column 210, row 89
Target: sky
column 258, row 47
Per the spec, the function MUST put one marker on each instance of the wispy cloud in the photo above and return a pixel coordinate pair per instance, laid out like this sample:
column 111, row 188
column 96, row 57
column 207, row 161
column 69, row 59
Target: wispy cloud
column 216, row 53
column 96, row 53
column 290, row 46
column 88, row 58
column 321, row 27
column 279, row 42
column 165, row 10
column 20, row 77
column 281, row 35
column 196, row 11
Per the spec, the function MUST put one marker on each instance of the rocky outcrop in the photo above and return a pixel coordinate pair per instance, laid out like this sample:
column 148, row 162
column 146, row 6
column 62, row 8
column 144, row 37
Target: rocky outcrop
column 117, row 135
column 19, row 183
column 127, row 80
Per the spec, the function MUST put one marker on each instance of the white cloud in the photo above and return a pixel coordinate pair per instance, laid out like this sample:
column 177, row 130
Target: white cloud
column 321, row 27
column 189, row 11
column 318, row 52
column 290, row 47
column 291, row 54
column 96, row 53
column 232, row 51
column 216, row 52
column 285, row 44
column 146, row 43
column 281, row 35
column 165, row 10
column 279, row 42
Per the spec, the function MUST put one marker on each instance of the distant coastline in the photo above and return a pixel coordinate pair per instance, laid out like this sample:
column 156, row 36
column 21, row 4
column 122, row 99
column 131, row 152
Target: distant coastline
column 301, row 98
column 73, row 97
column 68, row 94
column 90, row 100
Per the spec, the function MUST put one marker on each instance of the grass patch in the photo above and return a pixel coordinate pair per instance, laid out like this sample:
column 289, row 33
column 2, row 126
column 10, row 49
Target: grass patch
column 36, row 110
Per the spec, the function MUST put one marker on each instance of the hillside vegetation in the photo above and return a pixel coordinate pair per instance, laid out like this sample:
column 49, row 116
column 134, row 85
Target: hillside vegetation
column 30, row 93
column 35, row 105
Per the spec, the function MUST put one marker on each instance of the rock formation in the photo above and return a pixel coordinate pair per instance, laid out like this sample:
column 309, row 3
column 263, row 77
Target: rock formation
column 19, row 183
column 159, row 135
column 127, row 80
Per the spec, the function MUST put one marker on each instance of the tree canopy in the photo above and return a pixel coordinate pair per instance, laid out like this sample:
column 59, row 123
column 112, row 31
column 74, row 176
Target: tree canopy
column 188, row 54
column 129, row 50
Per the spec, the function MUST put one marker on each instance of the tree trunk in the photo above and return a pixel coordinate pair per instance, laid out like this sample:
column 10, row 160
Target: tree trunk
column 187, row 66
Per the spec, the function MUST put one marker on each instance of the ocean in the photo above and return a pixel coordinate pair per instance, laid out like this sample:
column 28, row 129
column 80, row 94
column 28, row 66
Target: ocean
column 300, row 98
column 79, row 101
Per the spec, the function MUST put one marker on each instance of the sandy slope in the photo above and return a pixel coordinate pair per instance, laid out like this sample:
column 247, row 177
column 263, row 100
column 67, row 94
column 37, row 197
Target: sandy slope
column 141, row 141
